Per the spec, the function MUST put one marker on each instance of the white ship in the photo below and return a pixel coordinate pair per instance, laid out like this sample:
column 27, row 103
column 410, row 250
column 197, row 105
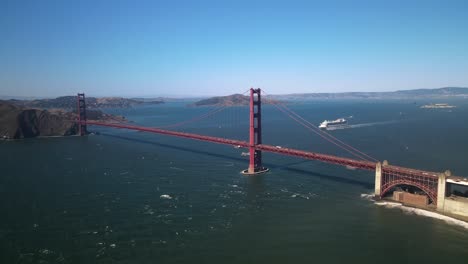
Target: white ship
column 335, row 123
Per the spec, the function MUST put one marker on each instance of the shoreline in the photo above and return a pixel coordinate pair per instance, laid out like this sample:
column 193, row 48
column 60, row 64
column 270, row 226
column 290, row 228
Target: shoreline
column 421, row 211
column 428, row 209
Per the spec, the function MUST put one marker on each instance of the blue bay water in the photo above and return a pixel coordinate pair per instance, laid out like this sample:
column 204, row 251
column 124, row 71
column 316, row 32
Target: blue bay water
column 101, row 198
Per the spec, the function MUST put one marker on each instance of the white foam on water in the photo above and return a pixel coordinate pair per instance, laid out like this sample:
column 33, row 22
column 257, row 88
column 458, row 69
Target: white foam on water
column 165, row 196
column 367, row 196
column 45, row 251
column 373, row 124
column 303, row 196
column 415, row 211
column 422, row 212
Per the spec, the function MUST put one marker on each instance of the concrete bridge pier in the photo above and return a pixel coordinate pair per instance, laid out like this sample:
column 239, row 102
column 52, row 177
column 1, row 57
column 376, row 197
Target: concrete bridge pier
column 378, row 180
column 441, row 189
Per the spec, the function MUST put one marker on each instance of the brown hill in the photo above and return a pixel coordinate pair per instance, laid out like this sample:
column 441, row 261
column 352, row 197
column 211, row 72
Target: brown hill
column 18, row 122
column 69, row 102
column 21, row 122
column 230, row 100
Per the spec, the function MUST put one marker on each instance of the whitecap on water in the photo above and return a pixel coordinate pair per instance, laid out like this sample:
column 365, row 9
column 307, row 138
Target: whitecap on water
column 149, row 212
column 45, row 251
column 165, row 196
column 304, row 196
column 368, row 196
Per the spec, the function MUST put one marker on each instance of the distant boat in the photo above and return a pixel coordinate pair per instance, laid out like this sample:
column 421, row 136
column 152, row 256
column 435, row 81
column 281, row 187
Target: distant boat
column 438, row 106
column 334, row 123
column 245, row 154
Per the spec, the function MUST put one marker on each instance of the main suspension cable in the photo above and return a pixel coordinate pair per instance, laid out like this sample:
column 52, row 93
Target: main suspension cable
column 293, row 115
column 201, row 117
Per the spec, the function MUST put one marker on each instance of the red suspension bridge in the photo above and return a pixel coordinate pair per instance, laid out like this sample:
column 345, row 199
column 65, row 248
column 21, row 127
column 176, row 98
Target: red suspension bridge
column 387, row 177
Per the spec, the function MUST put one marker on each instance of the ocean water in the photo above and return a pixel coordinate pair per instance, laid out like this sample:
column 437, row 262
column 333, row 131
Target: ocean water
column 130, row 197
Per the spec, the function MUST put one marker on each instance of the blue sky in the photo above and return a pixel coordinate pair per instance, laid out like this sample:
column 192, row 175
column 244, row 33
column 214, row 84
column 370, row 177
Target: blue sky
column 199, row 48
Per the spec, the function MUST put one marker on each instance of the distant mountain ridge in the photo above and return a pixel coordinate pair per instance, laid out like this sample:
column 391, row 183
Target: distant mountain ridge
column 445, row 92
column 69, row 102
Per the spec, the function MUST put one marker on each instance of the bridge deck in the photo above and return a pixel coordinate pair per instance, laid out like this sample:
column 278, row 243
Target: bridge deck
column 366, row 165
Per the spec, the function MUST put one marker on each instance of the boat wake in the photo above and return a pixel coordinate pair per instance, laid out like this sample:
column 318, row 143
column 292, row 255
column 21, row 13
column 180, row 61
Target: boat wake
column 362, row 125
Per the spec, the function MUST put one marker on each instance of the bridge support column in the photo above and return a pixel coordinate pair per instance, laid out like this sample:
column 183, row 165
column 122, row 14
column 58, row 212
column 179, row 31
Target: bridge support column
column 441, row 189
column 255, row 133
column 378, row 180
column 81, row 108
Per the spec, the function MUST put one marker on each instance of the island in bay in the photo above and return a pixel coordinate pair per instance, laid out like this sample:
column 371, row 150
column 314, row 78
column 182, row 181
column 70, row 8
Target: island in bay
column 436, row 106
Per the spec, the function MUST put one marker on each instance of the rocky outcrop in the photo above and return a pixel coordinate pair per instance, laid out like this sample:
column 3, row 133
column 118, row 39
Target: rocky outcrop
column 18, row 122
column 21, row 122
column 34, row 123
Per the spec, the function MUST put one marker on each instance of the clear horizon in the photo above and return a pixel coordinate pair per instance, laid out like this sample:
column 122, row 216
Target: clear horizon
column 212, row 48
column 196, row 96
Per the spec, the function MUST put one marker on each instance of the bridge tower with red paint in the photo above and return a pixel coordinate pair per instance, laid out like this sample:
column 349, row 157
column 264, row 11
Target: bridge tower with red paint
column 81, row 107
column 255, row 134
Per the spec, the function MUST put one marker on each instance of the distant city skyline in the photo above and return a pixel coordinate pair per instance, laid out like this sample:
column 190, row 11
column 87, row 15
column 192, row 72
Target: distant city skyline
column 207, row 48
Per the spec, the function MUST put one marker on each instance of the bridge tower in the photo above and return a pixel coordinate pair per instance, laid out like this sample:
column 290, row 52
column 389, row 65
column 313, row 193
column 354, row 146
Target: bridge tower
column 81, row 107
column 255, row 133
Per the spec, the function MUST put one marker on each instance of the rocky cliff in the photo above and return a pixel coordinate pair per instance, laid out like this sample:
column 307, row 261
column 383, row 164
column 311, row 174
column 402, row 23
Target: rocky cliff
column 22, row 122
column 19, row 122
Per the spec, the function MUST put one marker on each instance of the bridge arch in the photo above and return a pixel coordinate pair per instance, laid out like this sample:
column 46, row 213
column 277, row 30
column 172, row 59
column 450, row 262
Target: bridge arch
column 432, row 194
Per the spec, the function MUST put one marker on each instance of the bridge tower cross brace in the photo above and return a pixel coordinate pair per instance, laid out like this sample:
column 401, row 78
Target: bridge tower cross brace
column 255, row 134
column 81, row 107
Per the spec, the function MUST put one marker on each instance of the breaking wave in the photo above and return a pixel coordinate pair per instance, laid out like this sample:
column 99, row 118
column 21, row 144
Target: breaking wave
column 421, row 212
column 367, row 196
column 416, row 211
